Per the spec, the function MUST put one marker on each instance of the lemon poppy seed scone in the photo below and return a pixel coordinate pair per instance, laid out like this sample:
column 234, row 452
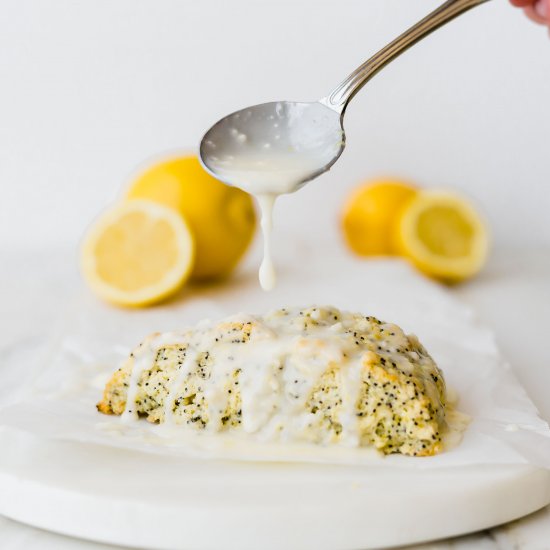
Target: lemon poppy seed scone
column 314, row 375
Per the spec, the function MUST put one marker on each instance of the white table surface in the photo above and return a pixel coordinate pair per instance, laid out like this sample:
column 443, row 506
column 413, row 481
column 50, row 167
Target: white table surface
column 512, row 296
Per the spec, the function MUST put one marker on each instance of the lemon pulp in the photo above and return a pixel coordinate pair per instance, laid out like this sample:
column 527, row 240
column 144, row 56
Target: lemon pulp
column 137, row 253
column 442, row 234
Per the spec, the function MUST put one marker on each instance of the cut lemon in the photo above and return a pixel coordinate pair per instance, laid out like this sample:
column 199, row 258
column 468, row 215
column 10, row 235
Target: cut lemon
column 443, row 235
column 370, row 213
column 137, row 253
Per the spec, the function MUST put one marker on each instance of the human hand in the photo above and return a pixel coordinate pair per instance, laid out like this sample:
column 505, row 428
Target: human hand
column 537, row 10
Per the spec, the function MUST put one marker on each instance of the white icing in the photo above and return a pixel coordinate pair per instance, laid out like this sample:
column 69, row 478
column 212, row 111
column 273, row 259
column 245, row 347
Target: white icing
column 267, row 274
column 144, row 357
column 186, row 367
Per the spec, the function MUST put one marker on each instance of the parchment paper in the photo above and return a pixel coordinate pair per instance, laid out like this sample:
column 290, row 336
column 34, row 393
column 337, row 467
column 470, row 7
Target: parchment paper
column 94, row 339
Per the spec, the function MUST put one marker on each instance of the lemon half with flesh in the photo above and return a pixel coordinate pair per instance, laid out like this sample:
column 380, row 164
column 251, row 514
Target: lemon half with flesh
column 137, row 253
column 443, row 235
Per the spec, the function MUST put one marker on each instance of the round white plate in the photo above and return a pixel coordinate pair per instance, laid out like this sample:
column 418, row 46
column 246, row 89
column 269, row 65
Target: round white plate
column 151, row 501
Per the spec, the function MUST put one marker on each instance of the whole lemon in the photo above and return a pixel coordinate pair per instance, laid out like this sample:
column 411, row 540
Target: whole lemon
column 370, row 214
column 221, row 218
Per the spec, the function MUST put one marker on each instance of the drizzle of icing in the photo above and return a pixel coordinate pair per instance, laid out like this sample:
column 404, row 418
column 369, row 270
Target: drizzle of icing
column 267, row 274
column 185, row 369
column 144, row 357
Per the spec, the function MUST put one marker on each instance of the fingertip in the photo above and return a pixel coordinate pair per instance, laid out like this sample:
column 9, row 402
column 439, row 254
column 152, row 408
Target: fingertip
column 535, row 16
column 521, row 3
column 542, row 8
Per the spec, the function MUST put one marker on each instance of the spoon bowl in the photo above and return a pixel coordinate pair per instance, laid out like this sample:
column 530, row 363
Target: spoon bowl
column 252, row 147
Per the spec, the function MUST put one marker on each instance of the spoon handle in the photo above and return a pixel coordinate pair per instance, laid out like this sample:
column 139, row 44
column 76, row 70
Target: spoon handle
column 346, row 90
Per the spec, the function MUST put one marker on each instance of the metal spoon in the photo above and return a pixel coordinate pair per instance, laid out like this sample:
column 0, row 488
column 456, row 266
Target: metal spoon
column 307, row 138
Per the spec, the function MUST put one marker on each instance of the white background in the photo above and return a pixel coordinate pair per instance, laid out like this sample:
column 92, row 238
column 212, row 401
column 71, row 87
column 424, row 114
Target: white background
column 91, row 90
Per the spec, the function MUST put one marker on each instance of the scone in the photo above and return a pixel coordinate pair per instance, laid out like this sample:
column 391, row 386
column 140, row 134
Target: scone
column 315, row 375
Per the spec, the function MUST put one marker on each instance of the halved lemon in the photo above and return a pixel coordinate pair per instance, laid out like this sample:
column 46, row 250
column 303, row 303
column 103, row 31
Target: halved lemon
column 443, row 235
column 137, row 253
